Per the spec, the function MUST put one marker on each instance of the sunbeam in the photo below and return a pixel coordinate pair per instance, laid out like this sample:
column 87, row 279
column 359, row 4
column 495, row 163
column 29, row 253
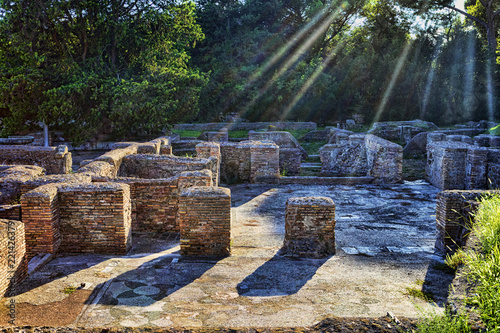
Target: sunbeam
column 430, row 81
column 392, row 82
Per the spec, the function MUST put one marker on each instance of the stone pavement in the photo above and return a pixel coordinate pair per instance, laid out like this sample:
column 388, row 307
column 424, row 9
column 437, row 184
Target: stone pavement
column 385, row 238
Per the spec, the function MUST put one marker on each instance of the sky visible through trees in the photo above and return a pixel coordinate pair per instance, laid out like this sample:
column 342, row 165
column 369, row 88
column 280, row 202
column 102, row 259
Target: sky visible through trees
column 119, row 69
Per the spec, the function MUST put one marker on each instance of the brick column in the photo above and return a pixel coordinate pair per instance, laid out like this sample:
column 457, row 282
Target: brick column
column 309, row 227
column 40, row 215
column 207, row 150
column 476, row 168
column 205, row 221
column 264, row 163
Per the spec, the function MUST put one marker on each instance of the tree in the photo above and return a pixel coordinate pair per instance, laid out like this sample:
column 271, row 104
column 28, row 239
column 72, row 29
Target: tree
column 93, row 66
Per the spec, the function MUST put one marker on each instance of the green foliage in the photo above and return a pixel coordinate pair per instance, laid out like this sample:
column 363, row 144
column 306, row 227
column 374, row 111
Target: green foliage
column 495, row 130
column 482, row 267
column 450, row 323
column 91, row 67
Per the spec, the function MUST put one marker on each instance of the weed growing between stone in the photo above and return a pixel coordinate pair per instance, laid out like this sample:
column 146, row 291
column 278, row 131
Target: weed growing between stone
column 482, row 269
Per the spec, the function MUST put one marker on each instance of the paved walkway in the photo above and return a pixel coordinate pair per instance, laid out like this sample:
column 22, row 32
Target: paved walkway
column 385, row 238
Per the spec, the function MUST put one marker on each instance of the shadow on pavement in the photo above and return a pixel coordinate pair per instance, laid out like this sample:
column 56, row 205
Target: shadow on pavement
column 280, row 276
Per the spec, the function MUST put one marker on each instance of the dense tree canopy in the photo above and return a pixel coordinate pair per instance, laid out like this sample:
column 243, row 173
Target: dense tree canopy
column 131, row 68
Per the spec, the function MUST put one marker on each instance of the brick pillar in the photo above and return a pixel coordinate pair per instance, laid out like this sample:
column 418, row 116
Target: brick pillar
column 40, row 215
column 476, row 168
column 13, row 259
column 205, row 221
column 207, row 150
column 264, row 163
column 95, row 218
column 309, row 227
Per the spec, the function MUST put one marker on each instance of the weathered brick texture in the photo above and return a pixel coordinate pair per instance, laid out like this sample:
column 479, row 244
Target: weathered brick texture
column 476, row 168
column 95, row 218
column 211, row 150
column 264, row 163
column 10, row 212
column 55, row 160
column 13, row 260
column 161, row 166
column 235, row 162
column 54, row 179
column 290, row 160
column 384, row 159
column 446, row 161
column 11, row 179
column 452, row 217
column 217, row 136
column 40, row 215
column 309, row 227
column 205, row 221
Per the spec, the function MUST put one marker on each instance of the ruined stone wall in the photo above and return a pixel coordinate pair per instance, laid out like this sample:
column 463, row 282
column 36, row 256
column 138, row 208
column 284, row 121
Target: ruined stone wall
column 211, row 150
column 11, row 179
column 205, row 221
column 235, row 162
column 476, row 168
column 283, row 126
column 13, row 260
column 217, row 136
column 54, row 179
column 446, row 164
column 114, row 158
column 264, row 163
column 282, row 139
column 309, row 227
column 452, row 223
column 55, row 160
column 162, row 166
column 346, row 158
column 384, row 159
column 10, row 212
column 493, row 175
column 40, row 215
column 155, row 202
column 95, row 218
column 290, row 160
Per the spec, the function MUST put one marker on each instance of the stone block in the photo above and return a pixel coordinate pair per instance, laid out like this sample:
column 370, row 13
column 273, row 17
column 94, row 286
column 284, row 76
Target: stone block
column 95, row 218
column 309, row 227
column 205, row 221
column 290, row 160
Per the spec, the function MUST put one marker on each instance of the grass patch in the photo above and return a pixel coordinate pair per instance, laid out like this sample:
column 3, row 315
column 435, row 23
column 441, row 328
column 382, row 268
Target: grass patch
column 69, row 290
column 297, row 134
column 312, row 148
column 419, row 293
column 237, row 134
column 183, row 133
column 481, row 267
column 495, row 130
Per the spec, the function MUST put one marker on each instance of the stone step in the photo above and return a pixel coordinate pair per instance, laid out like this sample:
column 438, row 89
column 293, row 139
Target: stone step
column 309, row 165
column 313, row 180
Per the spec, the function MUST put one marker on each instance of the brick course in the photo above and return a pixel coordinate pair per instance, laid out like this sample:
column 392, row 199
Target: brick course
column 55, row 160
column 95, row 218
column 205, row 221
column 309, row 227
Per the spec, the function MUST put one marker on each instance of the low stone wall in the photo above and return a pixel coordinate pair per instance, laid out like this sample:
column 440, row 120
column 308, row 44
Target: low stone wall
column 249, row 161
column 309, row 227
column 282, row 139
column 163, row 166
column 452, row 217
column 40, row 215
column 363, row 155
column 290, row 160
column 348, row 157
column 98, row 169
column 211, row 150
column 235, row 162
column 459, row 165
column 11, row 179
column 384, row 159
column 54, row 179
column 55, row 160
column 205, row 221
column 10, row 212
column 155, row 202
column 13, row 260
column 95, row 218
column 247, row 126
column 115, row 158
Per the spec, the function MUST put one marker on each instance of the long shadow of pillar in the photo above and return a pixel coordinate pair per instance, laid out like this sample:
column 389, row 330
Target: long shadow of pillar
column 280, row 276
